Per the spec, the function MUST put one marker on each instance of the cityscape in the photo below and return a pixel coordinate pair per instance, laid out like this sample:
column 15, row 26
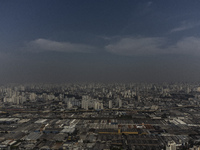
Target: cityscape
column 100, row 116
column 99, row 74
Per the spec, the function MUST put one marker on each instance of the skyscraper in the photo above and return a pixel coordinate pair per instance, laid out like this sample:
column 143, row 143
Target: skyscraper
column 110, row 104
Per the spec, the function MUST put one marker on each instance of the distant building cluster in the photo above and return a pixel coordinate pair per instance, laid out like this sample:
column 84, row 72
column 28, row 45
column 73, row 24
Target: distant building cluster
column 135, row 116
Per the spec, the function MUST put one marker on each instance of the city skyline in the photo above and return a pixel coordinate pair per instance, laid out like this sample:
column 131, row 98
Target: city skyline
column 99, row 41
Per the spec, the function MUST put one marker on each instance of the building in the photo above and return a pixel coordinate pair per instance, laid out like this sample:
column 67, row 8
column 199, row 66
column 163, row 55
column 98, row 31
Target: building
column 110, row 104
column 171, row 145
column 84, row 104
column 119, row 103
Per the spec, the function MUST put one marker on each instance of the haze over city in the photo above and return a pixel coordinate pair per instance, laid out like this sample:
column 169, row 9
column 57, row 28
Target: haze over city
column 99, row 41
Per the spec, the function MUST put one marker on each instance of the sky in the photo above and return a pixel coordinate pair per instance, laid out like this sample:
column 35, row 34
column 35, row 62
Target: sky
column 51, row 41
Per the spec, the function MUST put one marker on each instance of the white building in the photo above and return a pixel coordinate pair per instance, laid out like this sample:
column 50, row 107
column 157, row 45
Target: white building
column 69, row 105
column 171, row 145
column 84, row 104
column 110, row 104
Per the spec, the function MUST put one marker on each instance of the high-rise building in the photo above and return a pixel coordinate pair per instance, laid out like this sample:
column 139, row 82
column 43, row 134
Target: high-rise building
column 96, row 105
column 84, row 104
column 101, row 105
column 110, row 104
column 69, row 105
column 32, row 96
column 120, row 103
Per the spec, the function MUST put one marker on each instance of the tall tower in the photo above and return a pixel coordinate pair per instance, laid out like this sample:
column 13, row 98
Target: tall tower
column 120, row 103
column 101, row 106
column 110, row 104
